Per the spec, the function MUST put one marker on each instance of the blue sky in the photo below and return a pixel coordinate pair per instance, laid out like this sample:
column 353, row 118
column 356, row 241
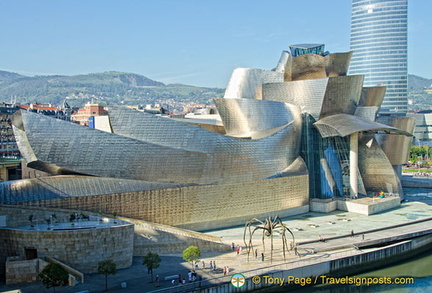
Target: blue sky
column 195, row 42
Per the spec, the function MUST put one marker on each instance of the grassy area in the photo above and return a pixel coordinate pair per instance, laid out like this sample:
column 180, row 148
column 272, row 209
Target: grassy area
column 416, row 170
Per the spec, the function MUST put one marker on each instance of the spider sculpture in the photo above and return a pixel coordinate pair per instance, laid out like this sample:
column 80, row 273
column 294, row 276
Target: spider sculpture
column 269, row 227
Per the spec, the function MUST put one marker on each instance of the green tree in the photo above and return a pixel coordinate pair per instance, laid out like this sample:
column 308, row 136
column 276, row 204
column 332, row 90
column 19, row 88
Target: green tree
column 53, row 275
column 191, row 254
column 151, row 261
column 107, row 267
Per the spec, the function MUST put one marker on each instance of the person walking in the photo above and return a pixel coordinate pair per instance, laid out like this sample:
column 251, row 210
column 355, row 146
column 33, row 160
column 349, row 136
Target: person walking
column 157, row 284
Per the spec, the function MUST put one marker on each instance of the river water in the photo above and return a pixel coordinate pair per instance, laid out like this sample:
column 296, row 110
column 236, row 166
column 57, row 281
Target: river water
column 418, row 267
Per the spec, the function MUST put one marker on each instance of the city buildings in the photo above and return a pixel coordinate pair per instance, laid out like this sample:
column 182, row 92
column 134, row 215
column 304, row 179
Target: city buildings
column 423, row 129
column 90, row 110
column 10, row 158
column 379, row 45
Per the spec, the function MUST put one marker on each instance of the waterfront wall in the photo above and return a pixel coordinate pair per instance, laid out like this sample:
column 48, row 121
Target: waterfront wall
column 419, row 182
column 341, row 266
column 199, row 207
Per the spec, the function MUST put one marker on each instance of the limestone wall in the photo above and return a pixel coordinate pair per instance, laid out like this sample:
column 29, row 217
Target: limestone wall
column 200, row 207
column 23, row 271
column 81, row 249
column 163, row 239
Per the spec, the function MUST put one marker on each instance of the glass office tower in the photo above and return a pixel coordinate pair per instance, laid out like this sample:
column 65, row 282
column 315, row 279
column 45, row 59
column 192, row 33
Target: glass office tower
column 379, row 45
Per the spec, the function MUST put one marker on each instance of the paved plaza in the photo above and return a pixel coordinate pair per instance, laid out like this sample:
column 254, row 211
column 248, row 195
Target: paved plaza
column 307, row 228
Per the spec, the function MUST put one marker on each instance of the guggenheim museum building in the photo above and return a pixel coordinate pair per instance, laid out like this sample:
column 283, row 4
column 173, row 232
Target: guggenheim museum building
column 303, row 130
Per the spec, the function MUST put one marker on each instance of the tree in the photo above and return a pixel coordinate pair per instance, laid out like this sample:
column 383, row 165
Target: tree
column 191, row 254
column 151, row 261
column 107, row 267
column 53, row 275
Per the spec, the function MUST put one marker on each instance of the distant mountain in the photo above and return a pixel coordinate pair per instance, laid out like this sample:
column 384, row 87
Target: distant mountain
column 417, row 82
column 131, row 89
column 107, row 87
column 5, row 75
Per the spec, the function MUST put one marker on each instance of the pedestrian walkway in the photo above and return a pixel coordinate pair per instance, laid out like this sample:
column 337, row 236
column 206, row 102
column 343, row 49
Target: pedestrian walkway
column 335, row 228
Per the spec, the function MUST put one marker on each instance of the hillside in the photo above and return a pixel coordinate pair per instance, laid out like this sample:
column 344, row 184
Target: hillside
column 107, row 87
column 133, row 89
column 5, row 75
column 417, row 82
column 419, row 99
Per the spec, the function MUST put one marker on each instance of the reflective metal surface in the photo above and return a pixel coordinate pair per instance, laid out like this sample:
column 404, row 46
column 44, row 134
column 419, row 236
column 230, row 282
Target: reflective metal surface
column 311, row 66
column 255, row 118
column 396, row 147
column 344, row 124
column 318, row 97
column 368, row 113
column 375, row 168
column 306, row 106
column 246, row 83
column 70, row 186
column 174, row 152
column 337, row 64
column 307, row 94
column 342, row 95
column 372, row 96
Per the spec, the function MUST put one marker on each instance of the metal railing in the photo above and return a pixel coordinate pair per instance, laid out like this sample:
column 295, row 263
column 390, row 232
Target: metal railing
column 272, row 269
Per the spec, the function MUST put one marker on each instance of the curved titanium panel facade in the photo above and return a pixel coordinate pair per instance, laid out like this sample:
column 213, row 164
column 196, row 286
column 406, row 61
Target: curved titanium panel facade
column 342, row 95
column 308, row 66
column 250, row 118
column 337, row 64
column 280, row 67
column 311, row 66
column 306, row 94
column 343, row 125
column 89, row 151
column 396, row 147
column 368, row 113
column 70, row 186
column 246, row 83
column 372, row 96
column 318, row 97
column 375, row 168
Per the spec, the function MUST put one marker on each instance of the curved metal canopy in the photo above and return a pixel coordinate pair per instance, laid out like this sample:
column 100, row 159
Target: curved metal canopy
column 345, row 124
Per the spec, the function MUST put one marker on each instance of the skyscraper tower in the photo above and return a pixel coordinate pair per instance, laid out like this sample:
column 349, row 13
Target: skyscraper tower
column 379, row 45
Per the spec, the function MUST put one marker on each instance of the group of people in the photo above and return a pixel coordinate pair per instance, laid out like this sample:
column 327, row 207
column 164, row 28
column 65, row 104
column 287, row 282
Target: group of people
column 237, row 248
column 192, row 277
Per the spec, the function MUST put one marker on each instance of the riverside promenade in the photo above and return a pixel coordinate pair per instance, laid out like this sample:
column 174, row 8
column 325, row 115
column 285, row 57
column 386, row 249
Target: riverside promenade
column 336, row 228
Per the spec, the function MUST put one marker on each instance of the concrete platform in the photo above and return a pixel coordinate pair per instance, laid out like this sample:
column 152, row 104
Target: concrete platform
column 364, row 205
column 336, row 227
